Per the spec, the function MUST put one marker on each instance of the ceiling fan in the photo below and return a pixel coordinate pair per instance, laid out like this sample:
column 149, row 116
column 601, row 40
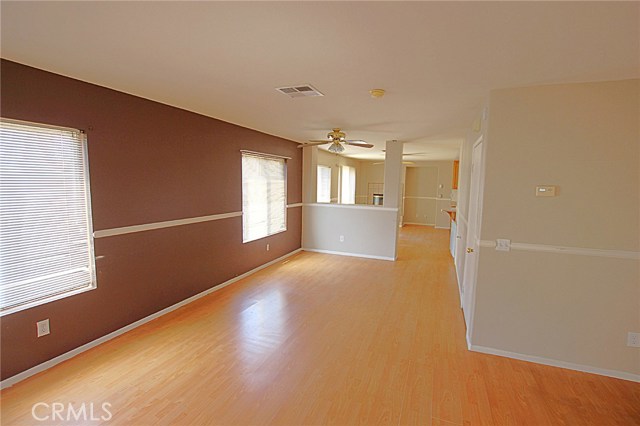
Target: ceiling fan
column 336, row 138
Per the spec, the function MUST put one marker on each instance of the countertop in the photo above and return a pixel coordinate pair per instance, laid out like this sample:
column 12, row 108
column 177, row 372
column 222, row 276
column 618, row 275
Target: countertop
column 451, row 211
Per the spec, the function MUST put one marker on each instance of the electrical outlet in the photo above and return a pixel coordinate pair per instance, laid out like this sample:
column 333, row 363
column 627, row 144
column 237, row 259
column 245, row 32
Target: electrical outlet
column 342, row 238
column 43, row 327
column 267, row 247
column 633, row 340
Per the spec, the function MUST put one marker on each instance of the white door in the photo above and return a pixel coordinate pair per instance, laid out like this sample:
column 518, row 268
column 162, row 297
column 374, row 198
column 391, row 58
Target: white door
column 473, row 236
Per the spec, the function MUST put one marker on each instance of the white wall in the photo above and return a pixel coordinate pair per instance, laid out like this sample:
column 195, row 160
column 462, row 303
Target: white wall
column 540, row 302
column 309, row 180
column 424, row 199
column 421, row 195
column 367, row 231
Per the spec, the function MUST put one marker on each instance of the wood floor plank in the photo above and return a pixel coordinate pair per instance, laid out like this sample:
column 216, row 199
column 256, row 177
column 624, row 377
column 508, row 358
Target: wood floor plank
column 323, row 339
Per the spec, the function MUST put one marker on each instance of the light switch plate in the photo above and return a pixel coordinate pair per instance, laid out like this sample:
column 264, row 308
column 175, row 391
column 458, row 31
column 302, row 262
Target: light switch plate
column 503, row 245
column 545, row 191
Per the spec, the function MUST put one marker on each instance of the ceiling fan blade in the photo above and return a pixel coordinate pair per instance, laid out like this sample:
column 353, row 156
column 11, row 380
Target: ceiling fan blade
column 313, row 143
column 361, row 144
column 411, row 153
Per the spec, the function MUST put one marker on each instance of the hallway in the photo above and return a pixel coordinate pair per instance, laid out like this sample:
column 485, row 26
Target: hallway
column 323, row 339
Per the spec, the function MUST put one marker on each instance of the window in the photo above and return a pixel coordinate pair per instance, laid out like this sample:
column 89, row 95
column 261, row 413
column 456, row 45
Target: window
column 46, row 239
column 348, row 185
column 324, row 184
column 264, row 196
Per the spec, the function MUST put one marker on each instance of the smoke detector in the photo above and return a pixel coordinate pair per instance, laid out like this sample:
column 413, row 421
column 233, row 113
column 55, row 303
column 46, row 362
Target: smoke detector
column 377, row 93
column 302, row 91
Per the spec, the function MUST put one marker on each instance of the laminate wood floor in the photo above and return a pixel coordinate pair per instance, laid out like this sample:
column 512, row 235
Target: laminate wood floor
column 322, row 339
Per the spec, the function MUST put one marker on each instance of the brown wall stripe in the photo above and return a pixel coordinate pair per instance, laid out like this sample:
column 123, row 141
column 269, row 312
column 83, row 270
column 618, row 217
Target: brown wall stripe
column 149, row 163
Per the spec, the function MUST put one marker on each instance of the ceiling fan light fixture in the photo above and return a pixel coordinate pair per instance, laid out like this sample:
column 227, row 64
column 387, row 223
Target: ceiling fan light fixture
column 336, row 147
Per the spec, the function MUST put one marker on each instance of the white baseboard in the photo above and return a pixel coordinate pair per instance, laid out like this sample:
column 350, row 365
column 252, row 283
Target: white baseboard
column 555, row 363
column 10, row 381
column 343, row 253
column 443, row 227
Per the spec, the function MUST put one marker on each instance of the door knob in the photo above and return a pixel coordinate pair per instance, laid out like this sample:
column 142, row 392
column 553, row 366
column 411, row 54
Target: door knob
column 469, row 250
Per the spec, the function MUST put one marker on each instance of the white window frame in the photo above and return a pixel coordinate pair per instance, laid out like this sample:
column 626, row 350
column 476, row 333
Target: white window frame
column 249, row 220
column 327, row 188
column 347, row 185
column 24, row 268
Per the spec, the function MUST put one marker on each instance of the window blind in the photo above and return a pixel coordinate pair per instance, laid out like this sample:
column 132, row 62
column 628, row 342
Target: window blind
column 348, row 186
column 264, row 199
column 324, row 184
column 46, row 243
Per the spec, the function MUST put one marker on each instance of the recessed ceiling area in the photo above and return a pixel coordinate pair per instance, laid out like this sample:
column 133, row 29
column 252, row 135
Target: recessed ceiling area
column 437, row 61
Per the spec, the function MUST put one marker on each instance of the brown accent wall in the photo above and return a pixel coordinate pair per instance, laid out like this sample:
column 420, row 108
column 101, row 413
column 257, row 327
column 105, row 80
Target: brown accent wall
column 148, row 162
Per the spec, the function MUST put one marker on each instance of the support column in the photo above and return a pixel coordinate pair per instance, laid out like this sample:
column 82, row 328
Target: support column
column 393, row 185
column 393, row 175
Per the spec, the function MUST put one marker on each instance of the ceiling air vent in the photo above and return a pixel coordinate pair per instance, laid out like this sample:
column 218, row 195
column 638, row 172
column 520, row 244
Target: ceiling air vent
column 299, row 91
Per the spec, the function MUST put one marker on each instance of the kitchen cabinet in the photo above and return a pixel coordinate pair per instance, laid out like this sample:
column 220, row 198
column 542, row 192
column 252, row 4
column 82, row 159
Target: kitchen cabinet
column 456, row 170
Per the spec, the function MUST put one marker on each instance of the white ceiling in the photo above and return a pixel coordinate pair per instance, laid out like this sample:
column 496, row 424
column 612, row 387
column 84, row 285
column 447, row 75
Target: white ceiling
column 437, row 60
